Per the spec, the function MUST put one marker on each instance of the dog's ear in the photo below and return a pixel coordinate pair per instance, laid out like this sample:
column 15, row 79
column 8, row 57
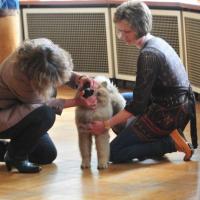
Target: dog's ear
column 104, row 84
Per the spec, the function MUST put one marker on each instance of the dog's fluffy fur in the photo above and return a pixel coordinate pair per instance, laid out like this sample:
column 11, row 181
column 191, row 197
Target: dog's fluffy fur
column 109, row 102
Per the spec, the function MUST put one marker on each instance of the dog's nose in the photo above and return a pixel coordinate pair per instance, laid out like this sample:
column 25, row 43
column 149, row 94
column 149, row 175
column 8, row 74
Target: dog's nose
column 87, row 92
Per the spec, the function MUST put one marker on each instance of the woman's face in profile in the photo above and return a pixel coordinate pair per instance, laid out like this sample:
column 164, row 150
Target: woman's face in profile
column 125, row 32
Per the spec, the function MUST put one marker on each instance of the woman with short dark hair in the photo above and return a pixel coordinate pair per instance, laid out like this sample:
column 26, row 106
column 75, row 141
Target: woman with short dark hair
column 163, row 100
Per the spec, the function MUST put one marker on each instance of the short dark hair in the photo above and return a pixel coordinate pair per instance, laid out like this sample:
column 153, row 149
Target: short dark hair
column 138, row 16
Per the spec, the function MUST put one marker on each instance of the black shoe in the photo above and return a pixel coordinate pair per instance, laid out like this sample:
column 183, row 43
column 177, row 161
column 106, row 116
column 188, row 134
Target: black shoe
column 23, row 166
column 3, row 149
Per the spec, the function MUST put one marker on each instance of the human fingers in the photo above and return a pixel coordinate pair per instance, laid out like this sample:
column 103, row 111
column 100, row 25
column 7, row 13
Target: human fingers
column 93, row 84
column 92, row 102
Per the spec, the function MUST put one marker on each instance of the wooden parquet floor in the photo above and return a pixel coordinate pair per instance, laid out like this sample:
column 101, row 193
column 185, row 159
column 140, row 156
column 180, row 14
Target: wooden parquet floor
column 170, row 179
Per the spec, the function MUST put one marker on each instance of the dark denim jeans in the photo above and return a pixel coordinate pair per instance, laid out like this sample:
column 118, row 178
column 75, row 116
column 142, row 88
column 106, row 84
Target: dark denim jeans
column 128, row 96
column 30, row 137
column 127, row 145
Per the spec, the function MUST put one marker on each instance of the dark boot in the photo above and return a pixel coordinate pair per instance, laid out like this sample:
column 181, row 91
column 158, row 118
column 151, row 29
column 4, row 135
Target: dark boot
column 23, row 166
column 3, row 149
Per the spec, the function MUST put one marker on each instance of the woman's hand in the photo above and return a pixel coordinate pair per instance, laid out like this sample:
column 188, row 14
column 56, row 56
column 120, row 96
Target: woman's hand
column 86, row 80
column 89, row 102
column 97, row 127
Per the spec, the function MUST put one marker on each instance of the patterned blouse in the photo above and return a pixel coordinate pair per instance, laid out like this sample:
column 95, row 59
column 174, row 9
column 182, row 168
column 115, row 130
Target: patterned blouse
column 162, row 92
column 158, row 68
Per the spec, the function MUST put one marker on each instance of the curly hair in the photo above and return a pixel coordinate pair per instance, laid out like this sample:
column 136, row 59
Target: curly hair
column 44, row 63
column 138, row 16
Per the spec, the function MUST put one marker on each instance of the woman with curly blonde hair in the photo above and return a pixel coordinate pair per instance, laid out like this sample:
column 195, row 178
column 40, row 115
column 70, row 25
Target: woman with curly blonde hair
column 28, row 79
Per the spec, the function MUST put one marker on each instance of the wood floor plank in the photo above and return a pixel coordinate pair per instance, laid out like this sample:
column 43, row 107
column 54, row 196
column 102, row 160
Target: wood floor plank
column 169, row 179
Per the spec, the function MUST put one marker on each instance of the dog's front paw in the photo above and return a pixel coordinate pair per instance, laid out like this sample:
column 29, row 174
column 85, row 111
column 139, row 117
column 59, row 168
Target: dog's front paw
column 85, row 165
column 102, row 165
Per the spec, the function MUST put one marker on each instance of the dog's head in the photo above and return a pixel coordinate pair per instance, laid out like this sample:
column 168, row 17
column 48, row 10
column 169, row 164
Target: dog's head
column 117, row 101
column 106, row 83
column 102, row 95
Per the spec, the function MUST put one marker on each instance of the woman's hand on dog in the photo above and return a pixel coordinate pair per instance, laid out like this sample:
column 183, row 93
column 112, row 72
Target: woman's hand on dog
column 90, row 102
column 84, row 80
column 96, row 127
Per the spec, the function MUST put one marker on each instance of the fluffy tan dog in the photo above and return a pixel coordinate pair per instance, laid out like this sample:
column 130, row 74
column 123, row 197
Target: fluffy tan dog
column 109, row 102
